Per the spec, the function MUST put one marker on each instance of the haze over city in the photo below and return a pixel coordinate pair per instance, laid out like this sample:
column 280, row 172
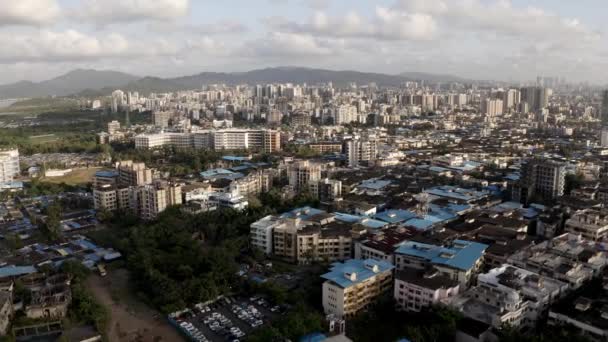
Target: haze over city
column 475, row 39
column 304, row 170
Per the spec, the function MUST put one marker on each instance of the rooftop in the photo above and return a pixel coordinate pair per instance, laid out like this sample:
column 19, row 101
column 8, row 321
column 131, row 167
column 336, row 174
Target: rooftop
column 461, row 254
column 354, row 271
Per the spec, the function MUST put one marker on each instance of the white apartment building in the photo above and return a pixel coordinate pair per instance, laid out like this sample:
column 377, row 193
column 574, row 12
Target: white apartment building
column 9, row 165
column 352, row 286
column 260, row 234
column 510, row 295
column 416, row 289
column 591, row 224
column 303, row 174
column 227, row 139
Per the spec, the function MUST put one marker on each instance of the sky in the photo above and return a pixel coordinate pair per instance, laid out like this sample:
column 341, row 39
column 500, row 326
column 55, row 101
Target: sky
column 508, row 40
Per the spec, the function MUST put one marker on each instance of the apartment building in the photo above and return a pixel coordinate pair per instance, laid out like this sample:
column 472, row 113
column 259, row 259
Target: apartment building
column 147, row 201
column 383, row 244
column 416, row 289
column 260, row 234
column 568, row 258
column 9, row 165
column 133, row 174
column 461, row 260
column 352, row 286
column 226, row 139
column 303, row 174
column 330, row 242
column 510, row 295
column 591, row 224
column 326, row 147
column 285, row 238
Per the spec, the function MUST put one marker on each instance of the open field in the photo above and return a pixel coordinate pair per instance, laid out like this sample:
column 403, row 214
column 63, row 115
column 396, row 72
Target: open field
column 130, row 320
column 38, row 105
column 76, row 177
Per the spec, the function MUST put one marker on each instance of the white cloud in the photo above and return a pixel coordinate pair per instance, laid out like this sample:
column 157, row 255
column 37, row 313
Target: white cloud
column 28, row 12
column 220, row 27
column 125, row 11
column 72, row 45
column 279, row 44
column 499, row 16
column 386, row 24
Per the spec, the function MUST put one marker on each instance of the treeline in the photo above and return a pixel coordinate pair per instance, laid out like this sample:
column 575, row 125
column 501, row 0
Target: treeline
column 183, row 259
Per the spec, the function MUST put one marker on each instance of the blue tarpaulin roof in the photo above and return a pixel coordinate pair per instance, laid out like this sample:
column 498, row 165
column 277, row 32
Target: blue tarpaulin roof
column 461, row 255
column 14, row 271
column 362, row 269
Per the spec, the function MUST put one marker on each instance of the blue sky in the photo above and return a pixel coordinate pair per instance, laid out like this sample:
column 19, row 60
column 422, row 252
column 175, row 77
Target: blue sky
column 512, row 40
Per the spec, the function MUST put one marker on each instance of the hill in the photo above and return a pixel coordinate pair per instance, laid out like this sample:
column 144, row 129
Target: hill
column 99, row 83
column 68, row 84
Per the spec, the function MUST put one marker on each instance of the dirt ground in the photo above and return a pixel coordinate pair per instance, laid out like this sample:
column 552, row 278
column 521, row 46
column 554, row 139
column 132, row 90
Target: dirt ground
column 76, row 177
column 132, row 321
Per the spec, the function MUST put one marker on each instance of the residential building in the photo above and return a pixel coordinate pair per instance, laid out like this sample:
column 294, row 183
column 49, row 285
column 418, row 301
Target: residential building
column 260, row 234
column 510, row 295
column 591, row 224
column 303, row 174
column 133, row 174
column 354, row 285
column 329, row 242
column 461, row 260
column 9, row 165
column 542, row 180
column 326, row 147
column 360, row 151
column 416, row 289
column 568, row 257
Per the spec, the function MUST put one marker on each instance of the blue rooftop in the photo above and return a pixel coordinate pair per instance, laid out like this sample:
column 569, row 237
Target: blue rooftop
column 363, row 220
column 456, row 193
column 15, row 271
column 235, row 158
column 461, row 254
column 355, row 271
column 395, row 215
column 106, row 173
column 314, row 337
column 303, row 213
column 374, row 184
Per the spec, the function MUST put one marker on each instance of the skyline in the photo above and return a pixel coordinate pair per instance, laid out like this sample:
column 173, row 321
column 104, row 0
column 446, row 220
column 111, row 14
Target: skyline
column 476, row 39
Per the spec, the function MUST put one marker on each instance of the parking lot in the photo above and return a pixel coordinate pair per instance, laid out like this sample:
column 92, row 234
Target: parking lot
column 227, row 319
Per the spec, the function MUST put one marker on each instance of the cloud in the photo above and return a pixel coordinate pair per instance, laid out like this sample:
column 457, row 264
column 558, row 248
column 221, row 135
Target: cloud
column 28, row 12
column 386, row 24
column 72, row 45
column 279, row 44
column 499, row 16
column 220, row 27
column 125, row 11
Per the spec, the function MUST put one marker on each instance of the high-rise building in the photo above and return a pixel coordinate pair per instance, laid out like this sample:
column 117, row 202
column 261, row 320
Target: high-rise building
column 303, row 174
column 604, row 109
column 118, row 100
column 274, row 117
column 9, row 165
column 491, row 107
column 161, row 119
column 133, row 174
column 537, row 98
column 113, row 127
column 358, row 151
column 541, row 179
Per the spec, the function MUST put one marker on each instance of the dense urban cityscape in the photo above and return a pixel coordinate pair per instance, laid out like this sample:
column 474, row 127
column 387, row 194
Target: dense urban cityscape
column 299, row 203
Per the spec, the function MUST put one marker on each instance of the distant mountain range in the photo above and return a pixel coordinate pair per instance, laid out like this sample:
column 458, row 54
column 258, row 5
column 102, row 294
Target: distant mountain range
column 98, row 83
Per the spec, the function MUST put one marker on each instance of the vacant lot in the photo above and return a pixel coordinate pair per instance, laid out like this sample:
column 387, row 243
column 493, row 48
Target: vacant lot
column 76, row 177
column 131, row 321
